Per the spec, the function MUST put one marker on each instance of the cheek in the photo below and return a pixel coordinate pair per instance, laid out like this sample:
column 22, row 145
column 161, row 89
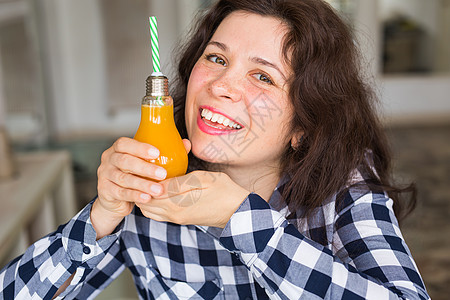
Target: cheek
column 198, row 78
column 196, row 82
column 267, row 110
column 270, row 116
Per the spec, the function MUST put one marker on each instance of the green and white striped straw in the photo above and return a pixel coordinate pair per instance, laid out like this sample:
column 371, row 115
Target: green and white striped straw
column 155, row 44
column 155, row 53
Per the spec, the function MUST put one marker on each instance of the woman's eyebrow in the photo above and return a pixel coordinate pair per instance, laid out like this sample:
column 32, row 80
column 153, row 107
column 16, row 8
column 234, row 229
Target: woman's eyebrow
column 220, row 45
column 262, row 61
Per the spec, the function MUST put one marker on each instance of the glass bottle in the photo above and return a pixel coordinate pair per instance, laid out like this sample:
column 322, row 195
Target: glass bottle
column 157, row 127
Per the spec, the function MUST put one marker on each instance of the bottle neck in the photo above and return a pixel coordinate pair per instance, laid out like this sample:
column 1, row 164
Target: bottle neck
column 157, row 86
column 157, row 105
column 157, row 101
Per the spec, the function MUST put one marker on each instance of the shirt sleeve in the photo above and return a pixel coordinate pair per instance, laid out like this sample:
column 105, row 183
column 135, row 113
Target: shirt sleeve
column 49, row 262
column 290, row 266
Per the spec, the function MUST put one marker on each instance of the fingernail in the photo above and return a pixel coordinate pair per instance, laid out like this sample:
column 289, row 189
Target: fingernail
column 153, row 152
column 161, row 173
column 156, row 189
column 145, row 197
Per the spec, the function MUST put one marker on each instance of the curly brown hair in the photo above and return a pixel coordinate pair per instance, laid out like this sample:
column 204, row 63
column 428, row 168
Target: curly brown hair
column 333, row 105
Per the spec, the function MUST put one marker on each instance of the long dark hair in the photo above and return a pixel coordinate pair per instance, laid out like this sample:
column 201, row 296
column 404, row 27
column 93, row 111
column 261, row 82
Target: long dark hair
column 332, row 104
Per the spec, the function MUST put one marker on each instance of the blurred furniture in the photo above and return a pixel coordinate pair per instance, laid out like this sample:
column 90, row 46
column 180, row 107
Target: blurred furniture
column 35, row 201
column 7, row 160
column 403, row 49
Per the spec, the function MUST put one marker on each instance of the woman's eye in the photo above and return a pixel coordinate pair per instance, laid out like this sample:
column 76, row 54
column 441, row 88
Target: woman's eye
column 216, row 59
column 264, row 78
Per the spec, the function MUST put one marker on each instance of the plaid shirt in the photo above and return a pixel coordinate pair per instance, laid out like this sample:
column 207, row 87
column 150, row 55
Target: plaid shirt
column 264, row 252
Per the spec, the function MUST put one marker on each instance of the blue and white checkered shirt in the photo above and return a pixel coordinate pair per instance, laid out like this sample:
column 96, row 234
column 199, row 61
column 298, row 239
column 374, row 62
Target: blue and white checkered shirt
column 264, row 252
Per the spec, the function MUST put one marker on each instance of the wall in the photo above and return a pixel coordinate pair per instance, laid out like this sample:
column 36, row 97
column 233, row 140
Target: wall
column 415, row 99
column 76, row 69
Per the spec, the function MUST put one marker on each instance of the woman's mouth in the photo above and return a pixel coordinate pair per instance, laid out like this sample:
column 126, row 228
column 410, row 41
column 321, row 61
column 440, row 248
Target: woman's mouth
column 212, row 122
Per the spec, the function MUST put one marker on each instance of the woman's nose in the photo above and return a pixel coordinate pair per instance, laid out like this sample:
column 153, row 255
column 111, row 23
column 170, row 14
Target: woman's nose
column 227, row 86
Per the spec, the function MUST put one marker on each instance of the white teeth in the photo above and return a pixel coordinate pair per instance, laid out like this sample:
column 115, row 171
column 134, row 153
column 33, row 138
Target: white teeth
column 220, row 119
column 208, row 115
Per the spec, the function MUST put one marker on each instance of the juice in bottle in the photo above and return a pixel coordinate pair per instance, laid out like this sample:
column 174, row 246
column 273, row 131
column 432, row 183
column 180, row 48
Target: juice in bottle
column 157, row 127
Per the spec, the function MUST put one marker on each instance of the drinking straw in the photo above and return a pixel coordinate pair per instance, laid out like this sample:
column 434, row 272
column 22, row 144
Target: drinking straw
column 155, row 52
column 155, row 44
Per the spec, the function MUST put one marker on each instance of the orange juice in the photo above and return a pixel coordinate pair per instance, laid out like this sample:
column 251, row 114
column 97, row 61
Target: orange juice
column 157, row 128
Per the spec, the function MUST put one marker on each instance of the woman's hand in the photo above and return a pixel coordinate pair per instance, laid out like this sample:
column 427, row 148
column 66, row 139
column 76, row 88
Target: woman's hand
column 123, row 180
column 200, row 198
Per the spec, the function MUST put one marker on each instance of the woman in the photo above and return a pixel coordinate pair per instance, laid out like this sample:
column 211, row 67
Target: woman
column 289, row 195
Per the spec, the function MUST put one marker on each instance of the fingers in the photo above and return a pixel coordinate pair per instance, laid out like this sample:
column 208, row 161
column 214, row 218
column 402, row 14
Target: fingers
column 162, row 210
column 135, row 148
column 121, row 172
column 132, row 156
column 187, row 145
column 114, row 192
column 131, row 164
column 192, row 182
column 152, row 215
column 133, row 182
column 126, row 176
column 111, row 191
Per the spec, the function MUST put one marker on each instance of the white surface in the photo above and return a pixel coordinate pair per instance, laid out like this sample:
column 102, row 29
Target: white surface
column 416, row 98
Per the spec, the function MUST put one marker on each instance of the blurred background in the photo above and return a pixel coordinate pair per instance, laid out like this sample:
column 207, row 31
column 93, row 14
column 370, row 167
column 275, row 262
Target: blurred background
column 72, row 73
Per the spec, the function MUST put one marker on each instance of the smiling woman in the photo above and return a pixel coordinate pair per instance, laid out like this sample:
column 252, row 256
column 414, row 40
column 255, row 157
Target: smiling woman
column 288, row 194
column 234, row 77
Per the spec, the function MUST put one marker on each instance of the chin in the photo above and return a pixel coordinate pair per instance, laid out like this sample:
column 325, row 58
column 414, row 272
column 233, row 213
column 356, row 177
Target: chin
column 204, row 152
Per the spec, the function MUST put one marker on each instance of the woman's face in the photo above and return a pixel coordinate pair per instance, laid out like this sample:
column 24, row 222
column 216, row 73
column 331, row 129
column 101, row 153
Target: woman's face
column 237, row 107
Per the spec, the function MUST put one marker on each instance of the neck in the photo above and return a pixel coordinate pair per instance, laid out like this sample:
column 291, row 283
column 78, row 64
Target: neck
column 261, row 180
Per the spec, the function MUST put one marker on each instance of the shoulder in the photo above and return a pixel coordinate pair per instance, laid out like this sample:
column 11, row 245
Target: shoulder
column 361, row 199
column 362, row 188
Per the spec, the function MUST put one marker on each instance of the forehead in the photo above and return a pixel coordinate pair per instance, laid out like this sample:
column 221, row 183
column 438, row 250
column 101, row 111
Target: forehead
column 252, row 34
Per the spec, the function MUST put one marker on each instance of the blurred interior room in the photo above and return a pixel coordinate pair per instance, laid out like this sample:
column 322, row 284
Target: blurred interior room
column 72, row 74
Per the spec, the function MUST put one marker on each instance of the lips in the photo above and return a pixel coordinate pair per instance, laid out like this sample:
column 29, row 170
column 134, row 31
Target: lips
column 213, row 122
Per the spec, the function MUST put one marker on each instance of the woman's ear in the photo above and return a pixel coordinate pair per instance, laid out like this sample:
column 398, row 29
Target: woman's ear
column 296, row 140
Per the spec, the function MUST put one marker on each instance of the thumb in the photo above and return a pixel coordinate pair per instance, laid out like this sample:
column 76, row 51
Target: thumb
column 187, row 145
